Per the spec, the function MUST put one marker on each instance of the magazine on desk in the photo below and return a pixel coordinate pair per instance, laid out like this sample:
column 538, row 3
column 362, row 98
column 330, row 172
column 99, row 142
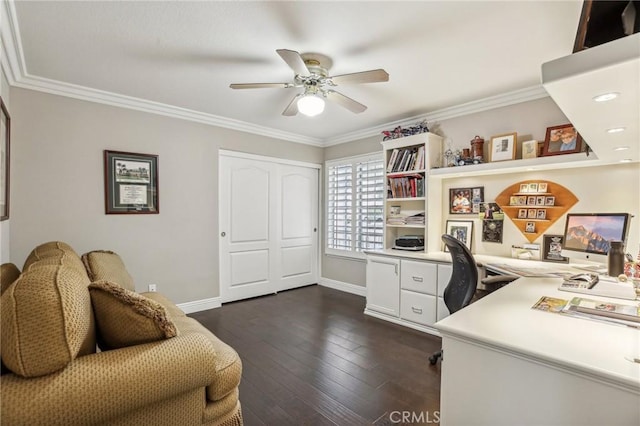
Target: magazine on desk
column 579, row 307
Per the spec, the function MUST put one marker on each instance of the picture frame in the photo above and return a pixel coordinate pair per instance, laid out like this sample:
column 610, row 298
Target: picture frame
column 522, row 213
column 492, row 231
column 529, row 149
column 503, row 147
column 532, row 213
column 524, row 187
column 533, row 187
column 514, row 200
column 540, row 200
column 394, row 210
column 531, row 200
column 462, row 230
column 562, row 139
column 552, row 249
column 490, row 211
column 543, row 187
column 530, row 228
column 550, row 201
column 541, row 214
column 5, row 160
column 465, row 200
column 130, row 183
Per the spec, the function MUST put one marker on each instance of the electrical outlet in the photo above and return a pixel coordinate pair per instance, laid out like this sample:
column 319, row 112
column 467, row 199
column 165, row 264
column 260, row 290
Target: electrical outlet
column 152, row 287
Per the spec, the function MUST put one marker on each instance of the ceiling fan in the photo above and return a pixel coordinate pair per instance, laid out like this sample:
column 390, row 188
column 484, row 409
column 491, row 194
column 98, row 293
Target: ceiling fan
column 311, row 74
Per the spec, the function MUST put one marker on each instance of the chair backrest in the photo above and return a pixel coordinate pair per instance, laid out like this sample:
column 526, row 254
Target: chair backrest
column 464, row 279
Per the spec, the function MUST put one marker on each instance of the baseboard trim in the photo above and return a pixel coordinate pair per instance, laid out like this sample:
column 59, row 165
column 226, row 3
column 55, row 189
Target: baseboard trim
column 342, row 286
column 200, row 305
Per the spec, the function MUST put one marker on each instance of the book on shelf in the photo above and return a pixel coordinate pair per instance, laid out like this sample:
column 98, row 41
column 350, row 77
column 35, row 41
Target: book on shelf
column 406, row 186
column 406, row 159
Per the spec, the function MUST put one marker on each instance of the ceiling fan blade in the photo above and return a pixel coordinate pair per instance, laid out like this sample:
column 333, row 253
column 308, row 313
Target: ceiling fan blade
column 292, row 108
column 260, row 86
column 346, row 101
column 372, row 76
column 295, row 61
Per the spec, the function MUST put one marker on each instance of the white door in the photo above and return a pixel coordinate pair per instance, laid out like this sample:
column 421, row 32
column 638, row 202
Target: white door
column 298, row 236
column 268, row 226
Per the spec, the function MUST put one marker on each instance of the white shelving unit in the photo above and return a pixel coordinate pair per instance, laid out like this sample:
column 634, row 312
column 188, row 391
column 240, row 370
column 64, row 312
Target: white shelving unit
column 408, row 184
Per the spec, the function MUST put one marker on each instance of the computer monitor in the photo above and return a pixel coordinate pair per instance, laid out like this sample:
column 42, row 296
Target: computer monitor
column 587, row 236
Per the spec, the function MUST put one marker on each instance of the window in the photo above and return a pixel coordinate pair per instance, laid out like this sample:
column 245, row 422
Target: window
column 355, row 205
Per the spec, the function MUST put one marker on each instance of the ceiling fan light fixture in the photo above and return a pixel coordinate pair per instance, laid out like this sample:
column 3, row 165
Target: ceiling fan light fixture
column 310, row 105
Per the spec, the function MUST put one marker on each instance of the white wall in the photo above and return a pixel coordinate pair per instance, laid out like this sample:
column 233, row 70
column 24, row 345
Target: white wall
column 601, row 189
column 5, row 226
column 58, row 187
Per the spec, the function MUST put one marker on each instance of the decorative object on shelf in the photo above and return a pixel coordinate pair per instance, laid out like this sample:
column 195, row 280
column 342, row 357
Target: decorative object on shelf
column 461, row 230
column 465, row 200
column 552, row 249
column 394, row 210
column 563, row 139
column 503, row 147
column 477, row 148
column 541, row 208
column 529, row 149
column 492, row 231
column 399, row 132
column 5, row 145
column 130, row 183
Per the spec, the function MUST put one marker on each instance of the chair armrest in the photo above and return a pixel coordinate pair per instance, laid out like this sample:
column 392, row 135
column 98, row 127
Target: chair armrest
column 499, row 279
column 97, row 387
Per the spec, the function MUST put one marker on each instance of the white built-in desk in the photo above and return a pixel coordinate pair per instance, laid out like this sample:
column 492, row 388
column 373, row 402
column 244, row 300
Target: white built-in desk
column 507, row 364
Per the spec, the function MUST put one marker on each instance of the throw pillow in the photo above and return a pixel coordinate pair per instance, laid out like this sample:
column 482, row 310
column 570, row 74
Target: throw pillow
column 125, row 318
column 104, row 265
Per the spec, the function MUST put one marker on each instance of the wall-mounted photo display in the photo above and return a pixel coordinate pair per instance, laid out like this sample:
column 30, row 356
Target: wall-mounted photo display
column 130, row 183
column 465, row 200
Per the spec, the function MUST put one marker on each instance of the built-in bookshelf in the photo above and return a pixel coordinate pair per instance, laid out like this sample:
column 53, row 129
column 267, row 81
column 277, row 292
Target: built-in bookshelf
column 408, row 161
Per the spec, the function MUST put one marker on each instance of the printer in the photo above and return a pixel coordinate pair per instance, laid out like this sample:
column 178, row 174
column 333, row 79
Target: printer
column 409, row 242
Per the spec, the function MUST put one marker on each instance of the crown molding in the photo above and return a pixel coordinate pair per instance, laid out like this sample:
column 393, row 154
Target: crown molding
column 14, row 67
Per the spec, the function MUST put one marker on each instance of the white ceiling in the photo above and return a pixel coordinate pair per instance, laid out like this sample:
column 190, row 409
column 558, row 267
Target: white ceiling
column 183, row 55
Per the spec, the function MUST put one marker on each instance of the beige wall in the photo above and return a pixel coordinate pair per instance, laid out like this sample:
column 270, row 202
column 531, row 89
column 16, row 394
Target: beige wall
column 601, row 189
column 58, row 187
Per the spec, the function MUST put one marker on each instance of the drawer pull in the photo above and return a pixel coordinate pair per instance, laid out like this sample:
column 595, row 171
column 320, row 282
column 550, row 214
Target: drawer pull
column 417, row 279
column 416, row 310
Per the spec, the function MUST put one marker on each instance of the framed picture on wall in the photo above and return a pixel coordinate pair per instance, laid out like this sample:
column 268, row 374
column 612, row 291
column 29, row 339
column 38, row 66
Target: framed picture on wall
column 465, row 200
column 563, row 139
column 461, row 230
column 130, row 183
column 503, row 147
column 552, row 249
column 5, row 139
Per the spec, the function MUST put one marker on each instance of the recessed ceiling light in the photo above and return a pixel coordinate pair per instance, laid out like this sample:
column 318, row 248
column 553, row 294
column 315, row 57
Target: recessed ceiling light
column 606, row 97
column 615, row 130
column 621, row 148
column 626, row 160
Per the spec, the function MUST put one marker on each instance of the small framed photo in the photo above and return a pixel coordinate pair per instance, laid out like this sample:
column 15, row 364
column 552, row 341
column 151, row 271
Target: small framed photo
column 462, row 230
column 503, row 147
column 522, row 200
column 531, row 201
column 530, row 228
column 542, row 187
column 394, row 210
column 492, row 231
column 533, row 187
column 513, row 200
column 563, row 139
column 524, row 187
column 550, row 201
column 522, row 213
column 542, row 214
column 540, row 200
column 529, row 149
column 465, row 200
column 130, row 183
column 552, row 249
column 532, row 213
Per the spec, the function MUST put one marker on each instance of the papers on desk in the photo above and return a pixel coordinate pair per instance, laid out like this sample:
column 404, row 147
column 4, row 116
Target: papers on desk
column 579, row 307
column 605, row 287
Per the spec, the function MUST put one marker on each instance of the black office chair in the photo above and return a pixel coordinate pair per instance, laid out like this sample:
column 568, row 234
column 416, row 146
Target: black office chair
column 464, row 280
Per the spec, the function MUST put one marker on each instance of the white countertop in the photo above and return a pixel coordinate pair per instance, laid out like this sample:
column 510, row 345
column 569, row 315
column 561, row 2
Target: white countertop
column 505, row 321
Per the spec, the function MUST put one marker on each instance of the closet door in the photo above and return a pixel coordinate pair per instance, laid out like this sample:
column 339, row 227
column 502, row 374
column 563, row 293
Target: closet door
column 246, row 228
column 268, row 226
column 298, row 227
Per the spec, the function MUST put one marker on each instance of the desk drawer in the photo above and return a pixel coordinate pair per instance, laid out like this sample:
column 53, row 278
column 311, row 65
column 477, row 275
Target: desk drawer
column 419, row 276
column 417, row 307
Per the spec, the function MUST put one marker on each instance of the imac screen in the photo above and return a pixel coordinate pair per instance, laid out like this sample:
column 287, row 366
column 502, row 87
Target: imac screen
column 592, row 232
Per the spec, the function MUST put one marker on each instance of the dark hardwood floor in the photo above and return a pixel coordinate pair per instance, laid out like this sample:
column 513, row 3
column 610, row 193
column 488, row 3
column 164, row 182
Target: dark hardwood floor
column 311, row 357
